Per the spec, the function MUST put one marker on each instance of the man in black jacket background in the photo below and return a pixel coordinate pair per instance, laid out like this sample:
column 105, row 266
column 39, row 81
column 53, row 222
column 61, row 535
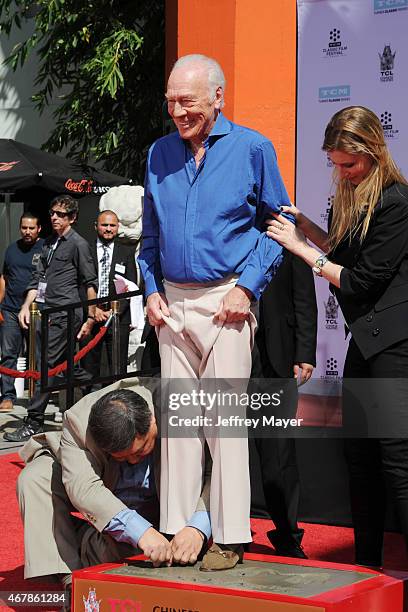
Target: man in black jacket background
column 285, row 347
column 110, row 258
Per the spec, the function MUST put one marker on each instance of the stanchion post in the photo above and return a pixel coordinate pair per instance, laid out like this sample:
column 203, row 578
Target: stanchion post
column 32, row 361
column 115, row 337
column 70, row 358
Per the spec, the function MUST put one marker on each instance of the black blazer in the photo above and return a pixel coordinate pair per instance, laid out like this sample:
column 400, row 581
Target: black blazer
column 122, row 255
column 373, row 293
column 287, row 319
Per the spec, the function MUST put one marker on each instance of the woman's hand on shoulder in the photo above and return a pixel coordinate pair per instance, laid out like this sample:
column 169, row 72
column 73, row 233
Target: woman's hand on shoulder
column 296, row 213
column 291, row 210
column 288, row 235
column 303, row 223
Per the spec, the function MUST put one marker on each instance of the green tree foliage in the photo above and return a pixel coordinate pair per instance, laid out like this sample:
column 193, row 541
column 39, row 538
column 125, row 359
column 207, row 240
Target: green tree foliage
column 103, row 60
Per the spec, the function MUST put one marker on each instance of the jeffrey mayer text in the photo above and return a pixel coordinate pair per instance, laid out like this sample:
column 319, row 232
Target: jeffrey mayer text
column 232, row 421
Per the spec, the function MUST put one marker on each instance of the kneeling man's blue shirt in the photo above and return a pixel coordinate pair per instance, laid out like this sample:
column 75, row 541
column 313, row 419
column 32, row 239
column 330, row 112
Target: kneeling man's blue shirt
column 207, row 223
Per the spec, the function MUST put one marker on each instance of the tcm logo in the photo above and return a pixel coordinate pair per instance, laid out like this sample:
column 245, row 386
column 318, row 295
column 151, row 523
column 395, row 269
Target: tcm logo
column 331, row 309
column 324, row 216
column 387, row 124
column 390, row 6
column 387, row 59
column 331, row 367
column 334, row 37
column 334, row 93
column 334, row 46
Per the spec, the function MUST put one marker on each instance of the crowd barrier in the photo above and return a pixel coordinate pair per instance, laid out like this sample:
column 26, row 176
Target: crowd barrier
column 67, row 366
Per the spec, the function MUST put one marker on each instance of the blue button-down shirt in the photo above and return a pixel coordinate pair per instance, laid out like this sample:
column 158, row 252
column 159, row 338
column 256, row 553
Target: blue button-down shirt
column 204, row 224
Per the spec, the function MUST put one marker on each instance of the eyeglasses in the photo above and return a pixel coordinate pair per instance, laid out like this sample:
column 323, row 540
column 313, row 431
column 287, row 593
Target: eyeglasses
column 60, row 213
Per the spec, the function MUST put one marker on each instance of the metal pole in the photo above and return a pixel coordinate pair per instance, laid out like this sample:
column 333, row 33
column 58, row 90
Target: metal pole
column 115, row 337
column 32, row 361
column 7, row 200
column 70, row 357
column 44, row 351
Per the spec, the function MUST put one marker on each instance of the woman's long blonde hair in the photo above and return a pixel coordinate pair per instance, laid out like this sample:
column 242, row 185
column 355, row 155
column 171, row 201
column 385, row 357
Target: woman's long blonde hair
column 357, row 129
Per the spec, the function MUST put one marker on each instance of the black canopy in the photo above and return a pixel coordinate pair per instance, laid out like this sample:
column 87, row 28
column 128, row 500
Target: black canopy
column 34, row 177
column 23, row 168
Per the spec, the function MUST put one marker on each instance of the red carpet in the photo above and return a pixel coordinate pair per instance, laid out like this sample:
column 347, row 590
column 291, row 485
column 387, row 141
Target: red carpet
column 321, row 542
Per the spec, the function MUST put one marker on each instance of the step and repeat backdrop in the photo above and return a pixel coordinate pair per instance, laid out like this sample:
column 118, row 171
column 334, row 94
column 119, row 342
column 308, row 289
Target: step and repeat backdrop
column 350, row 52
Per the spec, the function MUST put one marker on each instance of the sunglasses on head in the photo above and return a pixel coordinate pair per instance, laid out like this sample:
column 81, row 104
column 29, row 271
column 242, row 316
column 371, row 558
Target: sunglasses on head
column 60, row 213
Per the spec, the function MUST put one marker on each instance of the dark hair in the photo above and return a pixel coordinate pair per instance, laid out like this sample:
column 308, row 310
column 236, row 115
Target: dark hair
column 118, row 418
column 30, row 215
column 71, row 206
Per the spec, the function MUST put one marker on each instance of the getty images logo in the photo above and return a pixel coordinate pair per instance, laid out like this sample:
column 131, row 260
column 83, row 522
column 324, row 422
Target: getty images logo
column 390, row 6
column 334, row 93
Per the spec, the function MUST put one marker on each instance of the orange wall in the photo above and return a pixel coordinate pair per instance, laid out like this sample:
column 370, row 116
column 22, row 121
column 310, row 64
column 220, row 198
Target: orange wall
column 255, row 43
column 207, row 27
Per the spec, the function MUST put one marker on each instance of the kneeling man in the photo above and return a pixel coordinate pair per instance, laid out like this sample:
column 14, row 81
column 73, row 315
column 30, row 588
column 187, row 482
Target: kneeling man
column 104, row 465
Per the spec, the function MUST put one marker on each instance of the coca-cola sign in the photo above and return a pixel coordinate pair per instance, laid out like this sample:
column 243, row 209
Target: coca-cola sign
column 86, row 186
column 82, row 186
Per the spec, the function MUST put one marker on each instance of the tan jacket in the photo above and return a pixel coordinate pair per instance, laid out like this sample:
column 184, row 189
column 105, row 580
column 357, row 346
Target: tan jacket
column 88, row 473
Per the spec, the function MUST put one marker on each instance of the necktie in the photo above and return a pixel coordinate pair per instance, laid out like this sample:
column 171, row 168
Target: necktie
column 104, row 287
column 52, row 250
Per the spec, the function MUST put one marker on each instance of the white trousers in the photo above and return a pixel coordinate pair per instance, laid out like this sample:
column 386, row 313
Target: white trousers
column 194, row 347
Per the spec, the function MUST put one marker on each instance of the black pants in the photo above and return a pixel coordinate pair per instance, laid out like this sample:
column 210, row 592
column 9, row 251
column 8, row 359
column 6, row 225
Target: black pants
column 92, row 361
column 57, row 353
column 277, row 455
column 151, row 352
column 11, row 342
column 377, row 465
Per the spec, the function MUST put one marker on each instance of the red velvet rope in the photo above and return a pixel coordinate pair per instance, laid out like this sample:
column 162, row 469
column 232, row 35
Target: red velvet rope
column 61, row 367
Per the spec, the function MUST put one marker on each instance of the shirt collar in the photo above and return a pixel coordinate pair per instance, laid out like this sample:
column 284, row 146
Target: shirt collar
column 100, row 244
column 221, row 127
column 66, row 236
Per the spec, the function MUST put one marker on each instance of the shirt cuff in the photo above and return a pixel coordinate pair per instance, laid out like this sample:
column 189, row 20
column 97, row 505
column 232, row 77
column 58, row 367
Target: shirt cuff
column 201, row 521
column 153, row 286
column 255, row 286
column 127, row 526
column 257, row 282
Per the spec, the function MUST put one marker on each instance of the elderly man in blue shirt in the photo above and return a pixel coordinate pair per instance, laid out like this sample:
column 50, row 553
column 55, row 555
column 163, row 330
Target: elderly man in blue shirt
column 206, row 260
